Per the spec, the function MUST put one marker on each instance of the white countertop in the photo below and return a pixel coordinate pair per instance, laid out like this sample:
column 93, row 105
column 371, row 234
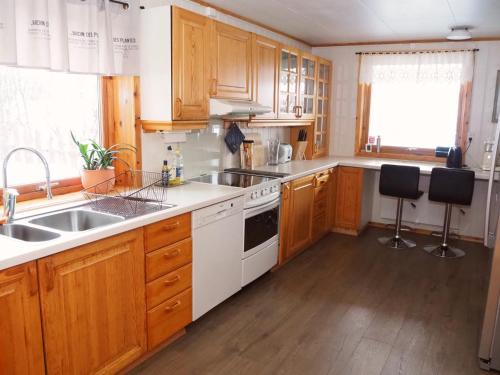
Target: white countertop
column 300, row 168
column 189, row 197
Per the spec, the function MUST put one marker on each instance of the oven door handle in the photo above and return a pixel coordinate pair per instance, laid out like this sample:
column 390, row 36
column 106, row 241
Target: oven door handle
column 250, row 212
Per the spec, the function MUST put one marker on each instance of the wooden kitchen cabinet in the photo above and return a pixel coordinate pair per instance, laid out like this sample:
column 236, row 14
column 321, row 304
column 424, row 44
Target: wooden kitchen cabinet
column 93, row 305
column 307, row 86
column 284, row 221
column 322, row 121
column 301, row 215
column 289, row 83
column 320, row 206
column 348, row 200
column 190, row 65
column 231, row 51
column 266, row 54
column 20, row 326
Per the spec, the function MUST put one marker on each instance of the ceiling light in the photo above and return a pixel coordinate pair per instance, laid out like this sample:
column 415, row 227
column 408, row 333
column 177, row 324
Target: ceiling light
column 459, row 33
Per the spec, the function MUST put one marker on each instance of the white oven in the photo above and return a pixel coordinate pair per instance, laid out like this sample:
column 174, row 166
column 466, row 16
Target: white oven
column 260, row 251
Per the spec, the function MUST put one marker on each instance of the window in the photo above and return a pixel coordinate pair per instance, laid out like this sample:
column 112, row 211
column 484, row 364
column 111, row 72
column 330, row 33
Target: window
column 38, row 109
column 414, row 101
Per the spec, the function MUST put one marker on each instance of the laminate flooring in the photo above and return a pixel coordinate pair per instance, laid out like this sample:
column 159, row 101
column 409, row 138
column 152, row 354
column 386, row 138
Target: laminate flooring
column 347, row 305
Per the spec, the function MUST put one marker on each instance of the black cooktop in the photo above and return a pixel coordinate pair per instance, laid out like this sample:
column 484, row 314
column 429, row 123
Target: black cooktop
column 232, row 179
column 257, row 172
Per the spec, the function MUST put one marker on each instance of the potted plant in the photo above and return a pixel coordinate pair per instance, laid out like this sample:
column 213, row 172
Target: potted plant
column 98, row 164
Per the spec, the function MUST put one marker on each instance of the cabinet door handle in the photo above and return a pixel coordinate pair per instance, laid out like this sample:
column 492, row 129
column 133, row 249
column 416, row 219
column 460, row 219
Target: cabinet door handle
column 178, row 107
column 173, row 280
column 49, row 268
column 33, row 280
column 286, row 191
column 173, row 306
column 171, row 227
column 172, row 254
column 213, row 87
column 296, row 110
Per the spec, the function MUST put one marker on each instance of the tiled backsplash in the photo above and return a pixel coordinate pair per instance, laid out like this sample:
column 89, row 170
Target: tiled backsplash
column 204, row 151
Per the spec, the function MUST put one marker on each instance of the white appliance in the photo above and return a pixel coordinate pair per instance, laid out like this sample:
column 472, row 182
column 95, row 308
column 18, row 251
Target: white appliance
column 285, row 153
column 260, row 254
column 221, row 107
column 261, row 215
column 216, row 268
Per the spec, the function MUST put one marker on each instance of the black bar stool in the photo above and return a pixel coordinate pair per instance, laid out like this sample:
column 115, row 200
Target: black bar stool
column 401, row 182
column 450, row 186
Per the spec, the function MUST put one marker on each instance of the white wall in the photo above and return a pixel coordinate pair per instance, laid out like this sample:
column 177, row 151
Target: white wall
column 204, row 151
column 427, row 215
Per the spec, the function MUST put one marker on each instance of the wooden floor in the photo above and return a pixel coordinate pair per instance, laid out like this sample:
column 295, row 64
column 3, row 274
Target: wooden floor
column 345, row 306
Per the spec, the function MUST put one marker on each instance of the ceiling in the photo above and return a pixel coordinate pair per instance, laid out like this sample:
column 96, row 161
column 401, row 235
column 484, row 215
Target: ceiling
column 347, row 21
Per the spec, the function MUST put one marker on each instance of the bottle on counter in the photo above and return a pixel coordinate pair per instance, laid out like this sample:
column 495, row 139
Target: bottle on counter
column 179, row 167
column 165, row 173
column 379, row 141
column 172, row 170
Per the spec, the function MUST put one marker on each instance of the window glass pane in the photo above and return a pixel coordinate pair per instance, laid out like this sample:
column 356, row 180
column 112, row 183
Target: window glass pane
column 321, row 85
column 320, row 106
column 303, row 70
column 414, row 114
column 39, row 109
column 321, row 71
column 319, row 124
column 291, row 103
column 284, row 60
column 293, row 63
column 283, row 82
column 283, row 103
column 293, row 83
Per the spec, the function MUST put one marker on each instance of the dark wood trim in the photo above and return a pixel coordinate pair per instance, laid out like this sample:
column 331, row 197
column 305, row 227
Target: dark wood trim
column 250, row 20
column 388, row 42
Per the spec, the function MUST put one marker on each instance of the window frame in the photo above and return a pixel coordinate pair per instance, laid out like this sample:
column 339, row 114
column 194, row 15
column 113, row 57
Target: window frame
column 71, row 184
column 407, row 153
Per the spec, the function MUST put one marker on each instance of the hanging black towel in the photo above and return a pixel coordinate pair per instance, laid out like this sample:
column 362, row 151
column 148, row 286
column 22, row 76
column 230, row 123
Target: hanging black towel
column 234, row 137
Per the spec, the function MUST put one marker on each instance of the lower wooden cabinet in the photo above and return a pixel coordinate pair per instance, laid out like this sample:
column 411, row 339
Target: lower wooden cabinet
column 348, row 200
column 93, row 305
column 300, row 215
column 20, row 326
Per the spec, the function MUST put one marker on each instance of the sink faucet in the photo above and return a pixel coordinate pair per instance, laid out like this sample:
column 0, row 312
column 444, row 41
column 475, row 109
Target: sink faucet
column 9, row 195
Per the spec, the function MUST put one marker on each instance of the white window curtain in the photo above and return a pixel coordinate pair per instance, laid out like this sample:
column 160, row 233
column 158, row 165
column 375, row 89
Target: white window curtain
column 90, row 36
column 422, row 67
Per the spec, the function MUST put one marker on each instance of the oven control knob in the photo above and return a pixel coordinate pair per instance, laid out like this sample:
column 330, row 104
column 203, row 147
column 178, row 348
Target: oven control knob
column 274, row 189
column 265, row 191
column 253, row 195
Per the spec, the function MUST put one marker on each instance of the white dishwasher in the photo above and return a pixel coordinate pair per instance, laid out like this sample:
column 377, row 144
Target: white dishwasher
column 218, row 233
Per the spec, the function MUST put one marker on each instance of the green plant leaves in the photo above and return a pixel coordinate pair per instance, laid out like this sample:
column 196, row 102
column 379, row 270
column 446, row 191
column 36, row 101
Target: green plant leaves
column 97, row 157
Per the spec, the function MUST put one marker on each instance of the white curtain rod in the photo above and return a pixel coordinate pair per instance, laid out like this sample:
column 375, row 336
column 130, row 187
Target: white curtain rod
column 415, row 52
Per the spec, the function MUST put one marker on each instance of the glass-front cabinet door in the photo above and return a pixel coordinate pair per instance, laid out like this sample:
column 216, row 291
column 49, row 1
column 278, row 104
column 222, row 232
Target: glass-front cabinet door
column 322, row 123
column 308, row 76
column 289, row 83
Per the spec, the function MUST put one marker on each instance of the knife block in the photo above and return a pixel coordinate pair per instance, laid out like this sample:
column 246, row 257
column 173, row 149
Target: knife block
column 300, row 150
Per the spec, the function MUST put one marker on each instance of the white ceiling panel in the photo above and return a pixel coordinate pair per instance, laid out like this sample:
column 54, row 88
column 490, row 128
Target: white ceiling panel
column 347, row 21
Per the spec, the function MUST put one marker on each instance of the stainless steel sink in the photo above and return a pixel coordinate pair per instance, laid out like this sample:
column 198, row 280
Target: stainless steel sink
column 26, row 233
column 76, row 220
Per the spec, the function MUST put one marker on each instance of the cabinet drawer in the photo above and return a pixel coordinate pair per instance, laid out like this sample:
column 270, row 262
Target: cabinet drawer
column 168, row 259
column 169, row 317
column 167, row 232
column 168, row 286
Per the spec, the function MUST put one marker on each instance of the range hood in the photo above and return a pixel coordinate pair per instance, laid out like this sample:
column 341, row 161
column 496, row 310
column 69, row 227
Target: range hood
column 236, row 108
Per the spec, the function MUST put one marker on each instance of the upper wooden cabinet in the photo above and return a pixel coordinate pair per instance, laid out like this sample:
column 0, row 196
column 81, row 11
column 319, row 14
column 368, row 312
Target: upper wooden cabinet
column 190, row 64
column 21, row 330
column 266, row 54
column 93, row 306
column 307, row 86
column 289, row 83
column 231, row 63
column 322, row 123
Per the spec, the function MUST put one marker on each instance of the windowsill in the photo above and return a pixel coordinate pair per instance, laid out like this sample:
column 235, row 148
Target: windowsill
column 397, row 156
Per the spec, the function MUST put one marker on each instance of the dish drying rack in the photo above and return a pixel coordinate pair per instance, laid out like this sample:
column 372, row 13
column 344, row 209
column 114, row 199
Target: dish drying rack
column 138, row 193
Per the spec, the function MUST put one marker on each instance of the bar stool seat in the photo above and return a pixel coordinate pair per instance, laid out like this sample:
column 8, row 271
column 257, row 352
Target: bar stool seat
column 401, row 182
column 450, row 186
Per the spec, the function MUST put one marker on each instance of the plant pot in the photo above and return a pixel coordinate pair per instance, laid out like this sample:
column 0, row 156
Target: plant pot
column 99, row 181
